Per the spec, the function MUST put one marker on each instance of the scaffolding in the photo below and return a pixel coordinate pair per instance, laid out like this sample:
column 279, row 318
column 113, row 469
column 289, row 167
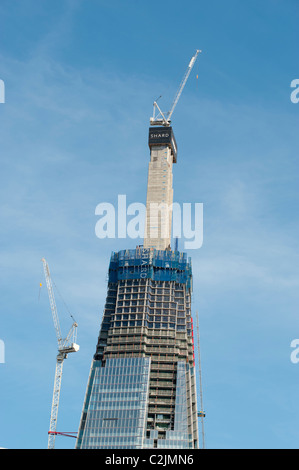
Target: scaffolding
column 159, row 265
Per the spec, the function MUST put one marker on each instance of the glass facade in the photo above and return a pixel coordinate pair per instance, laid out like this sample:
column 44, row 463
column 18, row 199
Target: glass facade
column 115, row 409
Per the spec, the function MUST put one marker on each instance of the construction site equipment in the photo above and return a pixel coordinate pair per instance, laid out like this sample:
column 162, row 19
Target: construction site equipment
column 67, row 434
column 201, row 414
column 164, row 119
column 65, row 346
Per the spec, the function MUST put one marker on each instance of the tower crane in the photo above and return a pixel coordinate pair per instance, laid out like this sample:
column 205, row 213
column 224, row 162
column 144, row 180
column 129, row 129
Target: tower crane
column 164, row 118
column 65, row 346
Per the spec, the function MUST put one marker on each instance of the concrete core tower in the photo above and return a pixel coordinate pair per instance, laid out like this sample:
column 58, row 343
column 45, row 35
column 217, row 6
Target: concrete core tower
column 159, row 188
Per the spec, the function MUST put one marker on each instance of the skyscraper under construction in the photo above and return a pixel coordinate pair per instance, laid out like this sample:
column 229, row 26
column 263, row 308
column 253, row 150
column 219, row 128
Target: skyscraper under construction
column 141, row 391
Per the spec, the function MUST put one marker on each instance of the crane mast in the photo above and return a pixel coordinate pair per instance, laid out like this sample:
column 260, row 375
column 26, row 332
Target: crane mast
column 65, row 346
column 164, row 119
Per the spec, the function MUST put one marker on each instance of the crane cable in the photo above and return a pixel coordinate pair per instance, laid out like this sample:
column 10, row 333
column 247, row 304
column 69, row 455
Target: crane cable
column 63, row 301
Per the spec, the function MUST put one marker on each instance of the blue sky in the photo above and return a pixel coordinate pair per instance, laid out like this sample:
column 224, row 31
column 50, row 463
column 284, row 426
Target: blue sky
column 80, row 79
